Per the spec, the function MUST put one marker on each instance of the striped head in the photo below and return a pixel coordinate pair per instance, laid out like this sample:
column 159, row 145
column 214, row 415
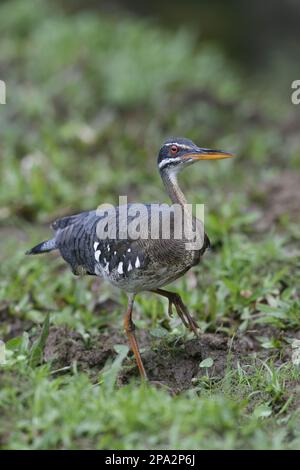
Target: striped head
column 177, row 153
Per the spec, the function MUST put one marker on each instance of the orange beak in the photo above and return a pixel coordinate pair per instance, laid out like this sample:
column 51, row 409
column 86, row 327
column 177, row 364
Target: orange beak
column 207, row 154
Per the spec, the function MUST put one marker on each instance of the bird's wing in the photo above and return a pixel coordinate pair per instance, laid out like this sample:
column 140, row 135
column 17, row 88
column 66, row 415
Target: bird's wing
column 69, row 220
column 74, row 238
column 119, row 234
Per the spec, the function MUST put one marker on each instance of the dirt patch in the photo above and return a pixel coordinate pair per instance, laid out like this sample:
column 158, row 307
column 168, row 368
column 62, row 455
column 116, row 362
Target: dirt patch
column 175, row 364
column 64, row 346
column 279, row 198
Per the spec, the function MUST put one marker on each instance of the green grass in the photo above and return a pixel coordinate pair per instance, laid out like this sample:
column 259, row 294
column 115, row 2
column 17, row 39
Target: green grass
column 84, row 119
column 71, row 412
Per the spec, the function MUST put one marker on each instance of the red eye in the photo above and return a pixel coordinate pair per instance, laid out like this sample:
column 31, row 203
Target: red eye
column 174, row 149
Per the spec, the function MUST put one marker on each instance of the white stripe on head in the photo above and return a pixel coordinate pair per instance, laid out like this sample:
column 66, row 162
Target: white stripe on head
column 181, row 146
column 166, row 161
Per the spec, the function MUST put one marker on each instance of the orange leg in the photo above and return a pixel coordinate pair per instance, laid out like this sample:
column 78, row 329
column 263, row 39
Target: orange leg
column 175, row 299
column 129, row 329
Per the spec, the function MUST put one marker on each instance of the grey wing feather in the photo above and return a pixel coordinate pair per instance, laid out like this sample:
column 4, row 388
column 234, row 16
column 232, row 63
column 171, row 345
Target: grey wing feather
column 69, row 220
column 74, row 239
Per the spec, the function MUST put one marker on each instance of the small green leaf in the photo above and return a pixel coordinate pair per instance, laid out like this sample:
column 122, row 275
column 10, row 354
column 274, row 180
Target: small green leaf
column 14, row 343
column 269, row 343
column 208, row 362
column 295, row 344
column 36, row 354
column 296, row 352
column 121, row 349
column 110, row 374
column 158, row 332
column 233, row 287
column 24, row 345
column 262, row 411
column 2, row 352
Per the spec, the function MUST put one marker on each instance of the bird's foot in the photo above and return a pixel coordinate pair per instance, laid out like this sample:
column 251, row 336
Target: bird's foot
column 183, row 313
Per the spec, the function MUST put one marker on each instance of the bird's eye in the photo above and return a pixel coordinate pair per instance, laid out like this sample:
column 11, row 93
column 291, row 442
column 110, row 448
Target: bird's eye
column 174, row 149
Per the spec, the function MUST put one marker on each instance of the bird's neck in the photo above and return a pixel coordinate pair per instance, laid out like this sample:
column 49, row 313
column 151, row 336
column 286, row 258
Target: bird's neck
column 173, row 189
column 177, row 197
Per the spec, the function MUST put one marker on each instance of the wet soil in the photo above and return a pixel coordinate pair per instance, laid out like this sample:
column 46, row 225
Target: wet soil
column 175, row 365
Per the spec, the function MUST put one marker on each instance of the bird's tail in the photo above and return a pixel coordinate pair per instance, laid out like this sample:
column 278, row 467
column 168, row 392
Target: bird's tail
column 43, row 247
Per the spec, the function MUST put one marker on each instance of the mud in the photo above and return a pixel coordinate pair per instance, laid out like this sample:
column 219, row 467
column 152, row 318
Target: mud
column 175, row 365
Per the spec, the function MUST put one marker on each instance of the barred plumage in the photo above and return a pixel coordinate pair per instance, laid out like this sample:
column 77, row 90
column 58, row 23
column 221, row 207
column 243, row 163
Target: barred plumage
column 141, row 263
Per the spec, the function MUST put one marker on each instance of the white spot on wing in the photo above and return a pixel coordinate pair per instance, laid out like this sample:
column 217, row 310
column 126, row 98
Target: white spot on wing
column 97, row 255
column 129, row 266
column 137, row 262
column 96, row 244
column 129, row 250
column 106, row 267
column 108, row 248
column 120, row 267
column 97, row 271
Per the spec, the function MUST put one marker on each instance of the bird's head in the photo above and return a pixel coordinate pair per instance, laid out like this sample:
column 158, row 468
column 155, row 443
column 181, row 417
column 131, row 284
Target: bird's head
column 177, row 153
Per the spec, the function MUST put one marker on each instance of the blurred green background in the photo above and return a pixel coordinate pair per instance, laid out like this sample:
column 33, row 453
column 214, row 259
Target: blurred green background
column 108, row 83
column 93, row 88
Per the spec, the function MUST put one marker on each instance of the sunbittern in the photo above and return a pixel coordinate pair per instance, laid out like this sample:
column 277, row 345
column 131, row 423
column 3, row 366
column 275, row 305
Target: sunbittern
column 137, row 264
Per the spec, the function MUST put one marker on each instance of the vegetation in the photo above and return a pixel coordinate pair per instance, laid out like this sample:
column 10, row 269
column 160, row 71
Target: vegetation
column 89, row 100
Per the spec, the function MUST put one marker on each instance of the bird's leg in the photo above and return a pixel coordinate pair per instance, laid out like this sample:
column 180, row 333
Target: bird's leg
column 183, row 313
column 129, row 329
